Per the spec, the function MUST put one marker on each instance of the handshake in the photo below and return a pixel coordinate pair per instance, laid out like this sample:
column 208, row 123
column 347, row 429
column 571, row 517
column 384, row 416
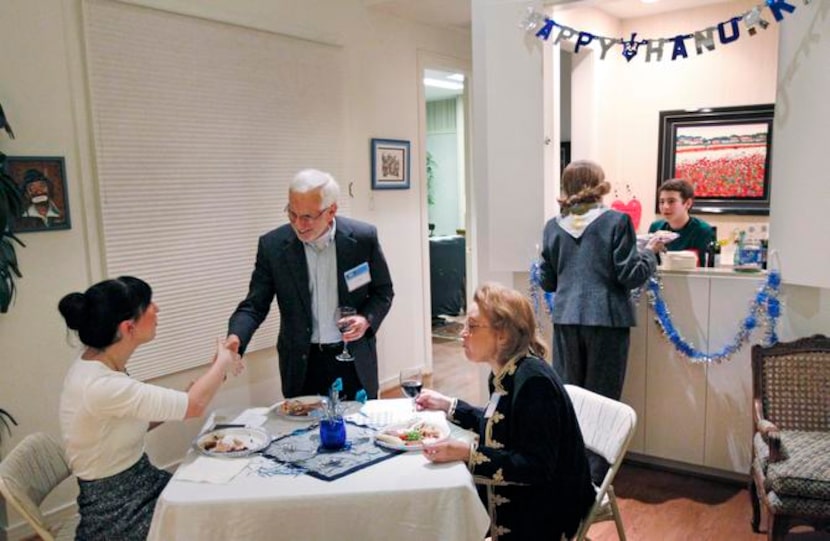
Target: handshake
column 227, row 353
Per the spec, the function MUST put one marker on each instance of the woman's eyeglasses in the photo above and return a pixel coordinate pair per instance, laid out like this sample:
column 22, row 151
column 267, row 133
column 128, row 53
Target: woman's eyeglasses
column 471, row 327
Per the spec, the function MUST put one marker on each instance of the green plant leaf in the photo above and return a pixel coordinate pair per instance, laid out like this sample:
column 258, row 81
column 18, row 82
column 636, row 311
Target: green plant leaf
column 5, row 418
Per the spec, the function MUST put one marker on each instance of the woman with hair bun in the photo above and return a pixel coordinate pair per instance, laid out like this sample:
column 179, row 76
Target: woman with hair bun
column 591, row 261
column 105, row 414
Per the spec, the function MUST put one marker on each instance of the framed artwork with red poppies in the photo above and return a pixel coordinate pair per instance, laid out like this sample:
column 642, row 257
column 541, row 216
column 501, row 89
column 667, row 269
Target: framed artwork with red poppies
column 724, row 152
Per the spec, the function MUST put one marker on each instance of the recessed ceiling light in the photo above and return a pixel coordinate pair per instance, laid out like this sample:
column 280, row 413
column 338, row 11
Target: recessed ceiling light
column 649, row 1
column 449, row 85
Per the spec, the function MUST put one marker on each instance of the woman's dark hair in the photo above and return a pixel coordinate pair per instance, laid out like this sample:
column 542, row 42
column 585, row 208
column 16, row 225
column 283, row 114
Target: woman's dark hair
column 583, row 182
column 97, row 313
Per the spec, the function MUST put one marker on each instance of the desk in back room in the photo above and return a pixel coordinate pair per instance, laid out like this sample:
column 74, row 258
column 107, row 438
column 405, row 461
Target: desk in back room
column 447, row 274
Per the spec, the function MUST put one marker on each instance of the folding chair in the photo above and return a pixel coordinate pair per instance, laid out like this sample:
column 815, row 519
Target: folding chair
column 28, row 474
column 607, row 427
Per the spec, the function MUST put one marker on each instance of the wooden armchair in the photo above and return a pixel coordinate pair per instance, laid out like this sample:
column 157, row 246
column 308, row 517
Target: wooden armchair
column 790, row 472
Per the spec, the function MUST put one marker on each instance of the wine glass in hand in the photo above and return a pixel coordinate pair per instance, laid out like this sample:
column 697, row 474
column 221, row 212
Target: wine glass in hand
column 412, row 381
column 342, row 316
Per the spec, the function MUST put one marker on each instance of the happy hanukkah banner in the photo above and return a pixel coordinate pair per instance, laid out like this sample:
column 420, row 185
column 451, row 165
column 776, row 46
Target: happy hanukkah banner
column 723, row 33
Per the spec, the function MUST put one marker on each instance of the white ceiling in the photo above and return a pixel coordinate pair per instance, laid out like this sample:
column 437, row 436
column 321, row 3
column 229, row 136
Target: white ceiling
column 632, row 9
column 456, row 13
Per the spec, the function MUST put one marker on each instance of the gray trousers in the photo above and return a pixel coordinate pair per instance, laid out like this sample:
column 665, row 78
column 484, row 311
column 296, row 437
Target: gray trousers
column 593, row 358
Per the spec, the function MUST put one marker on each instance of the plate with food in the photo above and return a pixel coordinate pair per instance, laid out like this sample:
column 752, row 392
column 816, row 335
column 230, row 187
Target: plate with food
column 412, row 435
column 662, row 235
column 300, row 408
column 232, row 442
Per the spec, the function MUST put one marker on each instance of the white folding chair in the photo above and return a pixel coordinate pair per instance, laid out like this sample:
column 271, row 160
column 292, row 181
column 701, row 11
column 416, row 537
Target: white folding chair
column 28, row 474
column 607, row 427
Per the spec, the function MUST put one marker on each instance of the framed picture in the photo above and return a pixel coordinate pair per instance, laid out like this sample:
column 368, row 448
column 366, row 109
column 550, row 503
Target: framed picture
column 724, row 152
column 42, row 181
column 390, row 164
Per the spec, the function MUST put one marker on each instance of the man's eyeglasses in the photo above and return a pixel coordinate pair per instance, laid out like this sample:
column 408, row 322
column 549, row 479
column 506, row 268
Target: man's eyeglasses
column 294, row 217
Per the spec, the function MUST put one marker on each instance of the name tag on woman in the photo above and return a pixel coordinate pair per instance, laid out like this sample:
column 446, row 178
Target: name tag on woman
column 491, row 405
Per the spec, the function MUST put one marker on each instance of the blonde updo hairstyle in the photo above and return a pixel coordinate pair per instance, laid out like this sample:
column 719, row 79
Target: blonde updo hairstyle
column 509, row 311
column 583, row 182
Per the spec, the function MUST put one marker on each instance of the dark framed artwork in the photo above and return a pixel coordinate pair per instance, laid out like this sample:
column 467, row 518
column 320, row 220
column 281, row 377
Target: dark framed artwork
column 42, row 181
column 724, row 152
column 390, row 164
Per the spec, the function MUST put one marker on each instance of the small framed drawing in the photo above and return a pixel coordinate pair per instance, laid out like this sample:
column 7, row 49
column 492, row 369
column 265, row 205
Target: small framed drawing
column 724, row 152
column 42, row 181
column 390, row 164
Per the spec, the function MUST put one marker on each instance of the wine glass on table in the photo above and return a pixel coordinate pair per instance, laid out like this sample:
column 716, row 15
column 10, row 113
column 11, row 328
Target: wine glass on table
column 342, row 316
column 412, row 381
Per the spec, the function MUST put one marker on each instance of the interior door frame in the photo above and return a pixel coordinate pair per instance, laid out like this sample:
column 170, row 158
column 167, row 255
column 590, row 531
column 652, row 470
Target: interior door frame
column 430, row 60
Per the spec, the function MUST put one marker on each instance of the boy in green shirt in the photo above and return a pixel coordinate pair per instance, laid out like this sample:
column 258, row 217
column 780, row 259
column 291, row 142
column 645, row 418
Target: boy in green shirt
column 675, row 198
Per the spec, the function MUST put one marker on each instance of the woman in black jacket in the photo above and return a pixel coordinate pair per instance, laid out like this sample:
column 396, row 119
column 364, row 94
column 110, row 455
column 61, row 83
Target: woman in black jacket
column 529, row 462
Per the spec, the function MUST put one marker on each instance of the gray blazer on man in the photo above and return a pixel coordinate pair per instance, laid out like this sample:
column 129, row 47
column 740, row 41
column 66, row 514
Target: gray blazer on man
column 593, row 274
column 281, row 270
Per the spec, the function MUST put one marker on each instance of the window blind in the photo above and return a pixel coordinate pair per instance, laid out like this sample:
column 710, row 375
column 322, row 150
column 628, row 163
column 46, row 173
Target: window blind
column 198, row 128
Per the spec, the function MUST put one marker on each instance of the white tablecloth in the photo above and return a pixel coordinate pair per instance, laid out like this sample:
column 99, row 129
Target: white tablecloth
column 402, row 498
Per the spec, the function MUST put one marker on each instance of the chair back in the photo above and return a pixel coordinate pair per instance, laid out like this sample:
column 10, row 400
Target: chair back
column 607, row 427
column 791, row 379
column 29, row 473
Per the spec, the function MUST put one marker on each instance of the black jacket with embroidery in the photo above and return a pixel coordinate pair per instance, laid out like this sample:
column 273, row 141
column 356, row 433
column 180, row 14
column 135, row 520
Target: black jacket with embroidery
column 530, row 464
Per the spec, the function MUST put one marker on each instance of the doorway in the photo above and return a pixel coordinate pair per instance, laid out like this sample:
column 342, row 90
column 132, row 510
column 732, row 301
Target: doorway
column 446, row 195
column 448, row 243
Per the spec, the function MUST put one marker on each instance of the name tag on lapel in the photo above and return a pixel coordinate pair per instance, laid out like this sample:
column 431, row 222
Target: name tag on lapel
column 491, row 405
column 357, row 277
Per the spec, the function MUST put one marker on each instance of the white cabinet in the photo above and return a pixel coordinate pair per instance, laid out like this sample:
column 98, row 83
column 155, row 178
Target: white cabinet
column 694, row 413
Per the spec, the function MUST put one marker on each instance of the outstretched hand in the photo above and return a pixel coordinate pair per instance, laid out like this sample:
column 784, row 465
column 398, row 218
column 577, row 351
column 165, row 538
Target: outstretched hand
column 655, row 244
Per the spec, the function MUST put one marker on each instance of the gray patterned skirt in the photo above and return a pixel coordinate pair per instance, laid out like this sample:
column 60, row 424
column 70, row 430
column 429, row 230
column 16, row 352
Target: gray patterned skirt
column 121, row 506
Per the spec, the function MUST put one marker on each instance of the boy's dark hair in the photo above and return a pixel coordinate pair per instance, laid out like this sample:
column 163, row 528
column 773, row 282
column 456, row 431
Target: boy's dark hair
column 684, row 187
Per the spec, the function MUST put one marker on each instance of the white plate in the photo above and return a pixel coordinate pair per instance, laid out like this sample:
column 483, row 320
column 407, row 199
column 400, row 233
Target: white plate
column 280, row 410
column 386, row 437
column 254, row 440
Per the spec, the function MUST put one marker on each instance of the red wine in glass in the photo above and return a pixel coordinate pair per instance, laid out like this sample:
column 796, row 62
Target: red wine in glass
column 411, row 388
column 412, row 381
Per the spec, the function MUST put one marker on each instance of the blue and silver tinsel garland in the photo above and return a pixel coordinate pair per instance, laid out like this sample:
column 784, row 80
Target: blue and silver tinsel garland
column 764, row 310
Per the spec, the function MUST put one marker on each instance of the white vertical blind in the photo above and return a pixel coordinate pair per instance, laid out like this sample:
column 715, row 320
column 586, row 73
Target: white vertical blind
column 199, row 126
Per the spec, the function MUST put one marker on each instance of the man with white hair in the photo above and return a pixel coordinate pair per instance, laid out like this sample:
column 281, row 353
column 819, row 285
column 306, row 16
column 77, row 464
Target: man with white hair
column 313, row 265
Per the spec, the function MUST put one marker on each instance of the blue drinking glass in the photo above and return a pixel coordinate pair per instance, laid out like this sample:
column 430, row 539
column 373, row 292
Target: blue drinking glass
column 333, row 433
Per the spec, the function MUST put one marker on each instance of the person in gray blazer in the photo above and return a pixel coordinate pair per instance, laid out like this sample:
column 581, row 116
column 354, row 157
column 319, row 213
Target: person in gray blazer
column 591, row 261
column 313, row 265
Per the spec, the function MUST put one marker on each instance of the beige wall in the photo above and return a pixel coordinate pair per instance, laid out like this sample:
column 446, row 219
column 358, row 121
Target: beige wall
column 44, row 93
column 622, row 100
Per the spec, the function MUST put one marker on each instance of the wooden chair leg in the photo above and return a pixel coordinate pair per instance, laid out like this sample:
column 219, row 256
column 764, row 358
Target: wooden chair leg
column 756, row 504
